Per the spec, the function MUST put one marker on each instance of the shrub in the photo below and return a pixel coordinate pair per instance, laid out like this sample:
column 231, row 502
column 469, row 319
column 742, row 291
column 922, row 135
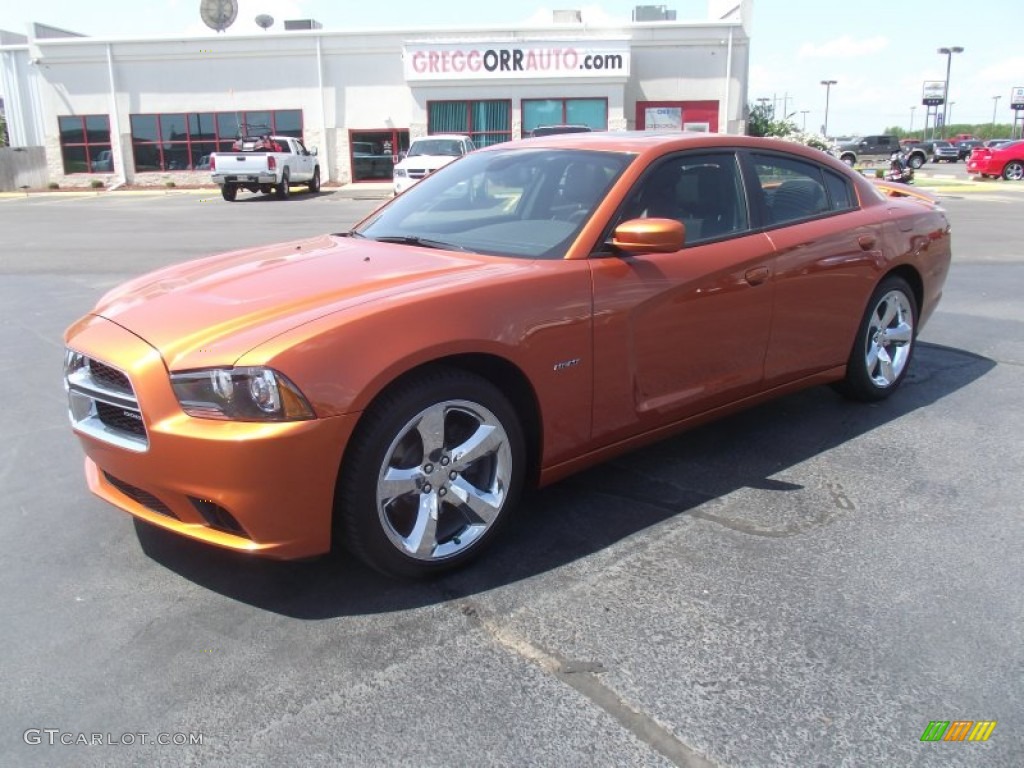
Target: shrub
column 170, row 184
column 96, row 184
column 53, row 185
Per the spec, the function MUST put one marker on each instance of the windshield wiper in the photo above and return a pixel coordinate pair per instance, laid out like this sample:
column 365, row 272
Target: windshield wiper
column 424, row 242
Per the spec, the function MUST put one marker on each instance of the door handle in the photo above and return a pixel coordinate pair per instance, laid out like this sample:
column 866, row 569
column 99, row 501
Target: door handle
column 756, row 275
column 867, row 242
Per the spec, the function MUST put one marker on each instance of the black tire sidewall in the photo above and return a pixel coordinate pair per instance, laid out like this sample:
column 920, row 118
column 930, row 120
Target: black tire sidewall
column 858, row 384
column 357, row 523
column 314, row 184
column 284, row 188
column 229, row 192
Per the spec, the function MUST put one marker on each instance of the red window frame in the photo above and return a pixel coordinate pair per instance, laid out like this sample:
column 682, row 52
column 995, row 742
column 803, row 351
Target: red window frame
column 86, row 144
column 470, row 128
column 565, row 110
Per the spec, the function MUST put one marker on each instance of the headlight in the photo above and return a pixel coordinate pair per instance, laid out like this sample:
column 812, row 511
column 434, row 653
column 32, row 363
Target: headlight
column 400, row 173
column 241, row 394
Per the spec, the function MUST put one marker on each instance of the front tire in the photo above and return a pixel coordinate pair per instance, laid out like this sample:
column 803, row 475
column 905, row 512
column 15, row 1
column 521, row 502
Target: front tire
column 1013, row 170
column 915, row 161
column 432, row 474
column 284, row 189
column 229, row 192
column 884, row 344
column 314, row 183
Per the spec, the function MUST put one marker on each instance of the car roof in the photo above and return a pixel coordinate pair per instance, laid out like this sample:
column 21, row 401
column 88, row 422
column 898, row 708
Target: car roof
column 642, row 142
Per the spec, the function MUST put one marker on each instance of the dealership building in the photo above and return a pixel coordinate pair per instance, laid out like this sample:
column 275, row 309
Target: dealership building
column 148, row 111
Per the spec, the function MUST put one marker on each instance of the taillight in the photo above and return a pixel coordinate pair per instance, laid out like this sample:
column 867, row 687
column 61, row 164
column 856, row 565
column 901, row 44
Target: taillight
column 213, row 162
column 271, row 163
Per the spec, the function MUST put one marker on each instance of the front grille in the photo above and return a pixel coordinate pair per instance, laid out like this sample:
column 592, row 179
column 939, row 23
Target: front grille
column 139, row 496
column 111, row 378
column 217, row 517
column 102, row 403
column 121, row 419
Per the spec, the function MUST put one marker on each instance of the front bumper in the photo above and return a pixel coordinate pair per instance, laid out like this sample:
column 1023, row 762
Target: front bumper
column 261, row 488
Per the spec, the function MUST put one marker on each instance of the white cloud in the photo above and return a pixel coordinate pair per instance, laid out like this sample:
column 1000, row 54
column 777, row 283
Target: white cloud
column 845, row 47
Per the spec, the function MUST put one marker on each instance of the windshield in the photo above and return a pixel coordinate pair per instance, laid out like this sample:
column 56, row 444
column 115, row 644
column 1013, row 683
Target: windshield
column 446, row 147
column 527, row 203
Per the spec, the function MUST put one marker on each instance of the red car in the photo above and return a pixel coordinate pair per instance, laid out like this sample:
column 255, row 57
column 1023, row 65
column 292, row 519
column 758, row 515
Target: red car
column 1006, row 161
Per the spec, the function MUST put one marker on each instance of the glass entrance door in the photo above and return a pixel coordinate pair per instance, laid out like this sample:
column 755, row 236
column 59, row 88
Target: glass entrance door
column 373, row 153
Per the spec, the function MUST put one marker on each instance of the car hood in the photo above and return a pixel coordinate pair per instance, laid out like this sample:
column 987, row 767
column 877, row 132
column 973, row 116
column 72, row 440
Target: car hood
column 213, row 311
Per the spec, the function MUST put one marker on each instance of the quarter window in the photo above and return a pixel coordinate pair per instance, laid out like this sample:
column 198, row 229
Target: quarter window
column 85, row 144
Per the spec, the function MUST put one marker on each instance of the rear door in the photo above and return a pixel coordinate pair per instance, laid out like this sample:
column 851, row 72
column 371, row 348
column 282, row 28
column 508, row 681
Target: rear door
column 826, row 258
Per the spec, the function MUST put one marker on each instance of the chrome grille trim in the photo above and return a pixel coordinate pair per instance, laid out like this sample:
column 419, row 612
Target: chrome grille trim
column 89, row 388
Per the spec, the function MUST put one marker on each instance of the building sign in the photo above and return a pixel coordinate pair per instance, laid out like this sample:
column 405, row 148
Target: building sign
column 1017, row 98
column 518, row 60
column 663, row 118
column 934, row 93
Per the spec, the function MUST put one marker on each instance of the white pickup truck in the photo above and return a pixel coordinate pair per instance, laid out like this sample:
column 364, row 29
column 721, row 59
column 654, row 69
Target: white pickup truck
column 265, row 164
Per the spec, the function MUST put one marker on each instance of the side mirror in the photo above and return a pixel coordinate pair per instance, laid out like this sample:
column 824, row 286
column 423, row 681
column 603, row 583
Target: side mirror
column 313, row 151
column 402, row 155
column 639, row 236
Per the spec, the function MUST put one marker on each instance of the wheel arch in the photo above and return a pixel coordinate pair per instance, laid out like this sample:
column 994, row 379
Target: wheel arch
column 504, row 376
column 912, row 278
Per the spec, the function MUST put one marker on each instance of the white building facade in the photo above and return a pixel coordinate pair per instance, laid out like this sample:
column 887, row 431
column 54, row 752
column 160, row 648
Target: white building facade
column 151, row 111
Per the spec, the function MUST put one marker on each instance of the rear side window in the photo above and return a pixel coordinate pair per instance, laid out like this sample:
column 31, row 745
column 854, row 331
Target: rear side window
column 796, row 189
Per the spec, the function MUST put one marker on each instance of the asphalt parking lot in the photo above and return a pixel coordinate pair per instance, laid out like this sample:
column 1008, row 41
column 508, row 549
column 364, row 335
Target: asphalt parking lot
column 809, row 583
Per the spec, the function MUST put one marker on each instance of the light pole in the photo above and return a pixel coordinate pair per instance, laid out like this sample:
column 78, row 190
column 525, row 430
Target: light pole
column 805, row 111
column 948, row 52
column 995, row 104
column 912, row 110
column 828, row 91
column 949, row 111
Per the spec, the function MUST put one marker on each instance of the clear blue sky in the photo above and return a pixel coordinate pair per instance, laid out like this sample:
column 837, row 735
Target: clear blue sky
column 879, row 51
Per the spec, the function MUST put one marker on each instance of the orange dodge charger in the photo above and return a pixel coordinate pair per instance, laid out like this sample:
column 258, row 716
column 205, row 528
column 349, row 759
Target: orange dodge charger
column 529, row 310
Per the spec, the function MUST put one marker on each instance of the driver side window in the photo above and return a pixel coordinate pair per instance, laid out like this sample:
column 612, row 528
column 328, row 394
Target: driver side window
column 703, row 191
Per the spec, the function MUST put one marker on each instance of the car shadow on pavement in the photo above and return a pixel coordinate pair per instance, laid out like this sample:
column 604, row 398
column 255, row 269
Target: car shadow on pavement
column 590, row 512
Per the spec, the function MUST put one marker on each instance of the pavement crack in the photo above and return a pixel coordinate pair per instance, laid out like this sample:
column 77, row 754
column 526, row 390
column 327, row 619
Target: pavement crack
column 582, row 676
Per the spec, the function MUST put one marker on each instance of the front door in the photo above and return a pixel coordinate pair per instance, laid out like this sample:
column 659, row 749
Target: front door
column 676, row 334
column 373, row 153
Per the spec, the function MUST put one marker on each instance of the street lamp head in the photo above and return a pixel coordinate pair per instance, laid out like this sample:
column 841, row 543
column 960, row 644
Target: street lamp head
column 949, row 51
column 829, row 82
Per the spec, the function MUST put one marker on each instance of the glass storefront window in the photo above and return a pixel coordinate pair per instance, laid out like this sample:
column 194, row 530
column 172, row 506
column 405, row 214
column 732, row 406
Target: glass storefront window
column 486, row 122
column 590, row 112
column 85, row 144
column 184, row 141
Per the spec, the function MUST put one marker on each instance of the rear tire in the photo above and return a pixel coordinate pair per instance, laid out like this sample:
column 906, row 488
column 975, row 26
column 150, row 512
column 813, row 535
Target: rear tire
column 284, row 189
column 432, row 474
column 915, row 161
column 314, row 183
column 229, row 192
column 1013, row 170
column 884, row 344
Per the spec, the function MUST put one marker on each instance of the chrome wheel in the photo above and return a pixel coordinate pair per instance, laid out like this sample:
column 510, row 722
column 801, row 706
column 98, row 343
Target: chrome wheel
column 1014, row 171
column 890, row 335
column 884, row 344
column 444, row 480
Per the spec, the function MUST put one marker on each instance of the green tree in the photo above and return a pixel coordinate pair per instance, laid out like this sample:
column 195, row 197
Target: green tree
column 3, row 130
column 761, row 122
